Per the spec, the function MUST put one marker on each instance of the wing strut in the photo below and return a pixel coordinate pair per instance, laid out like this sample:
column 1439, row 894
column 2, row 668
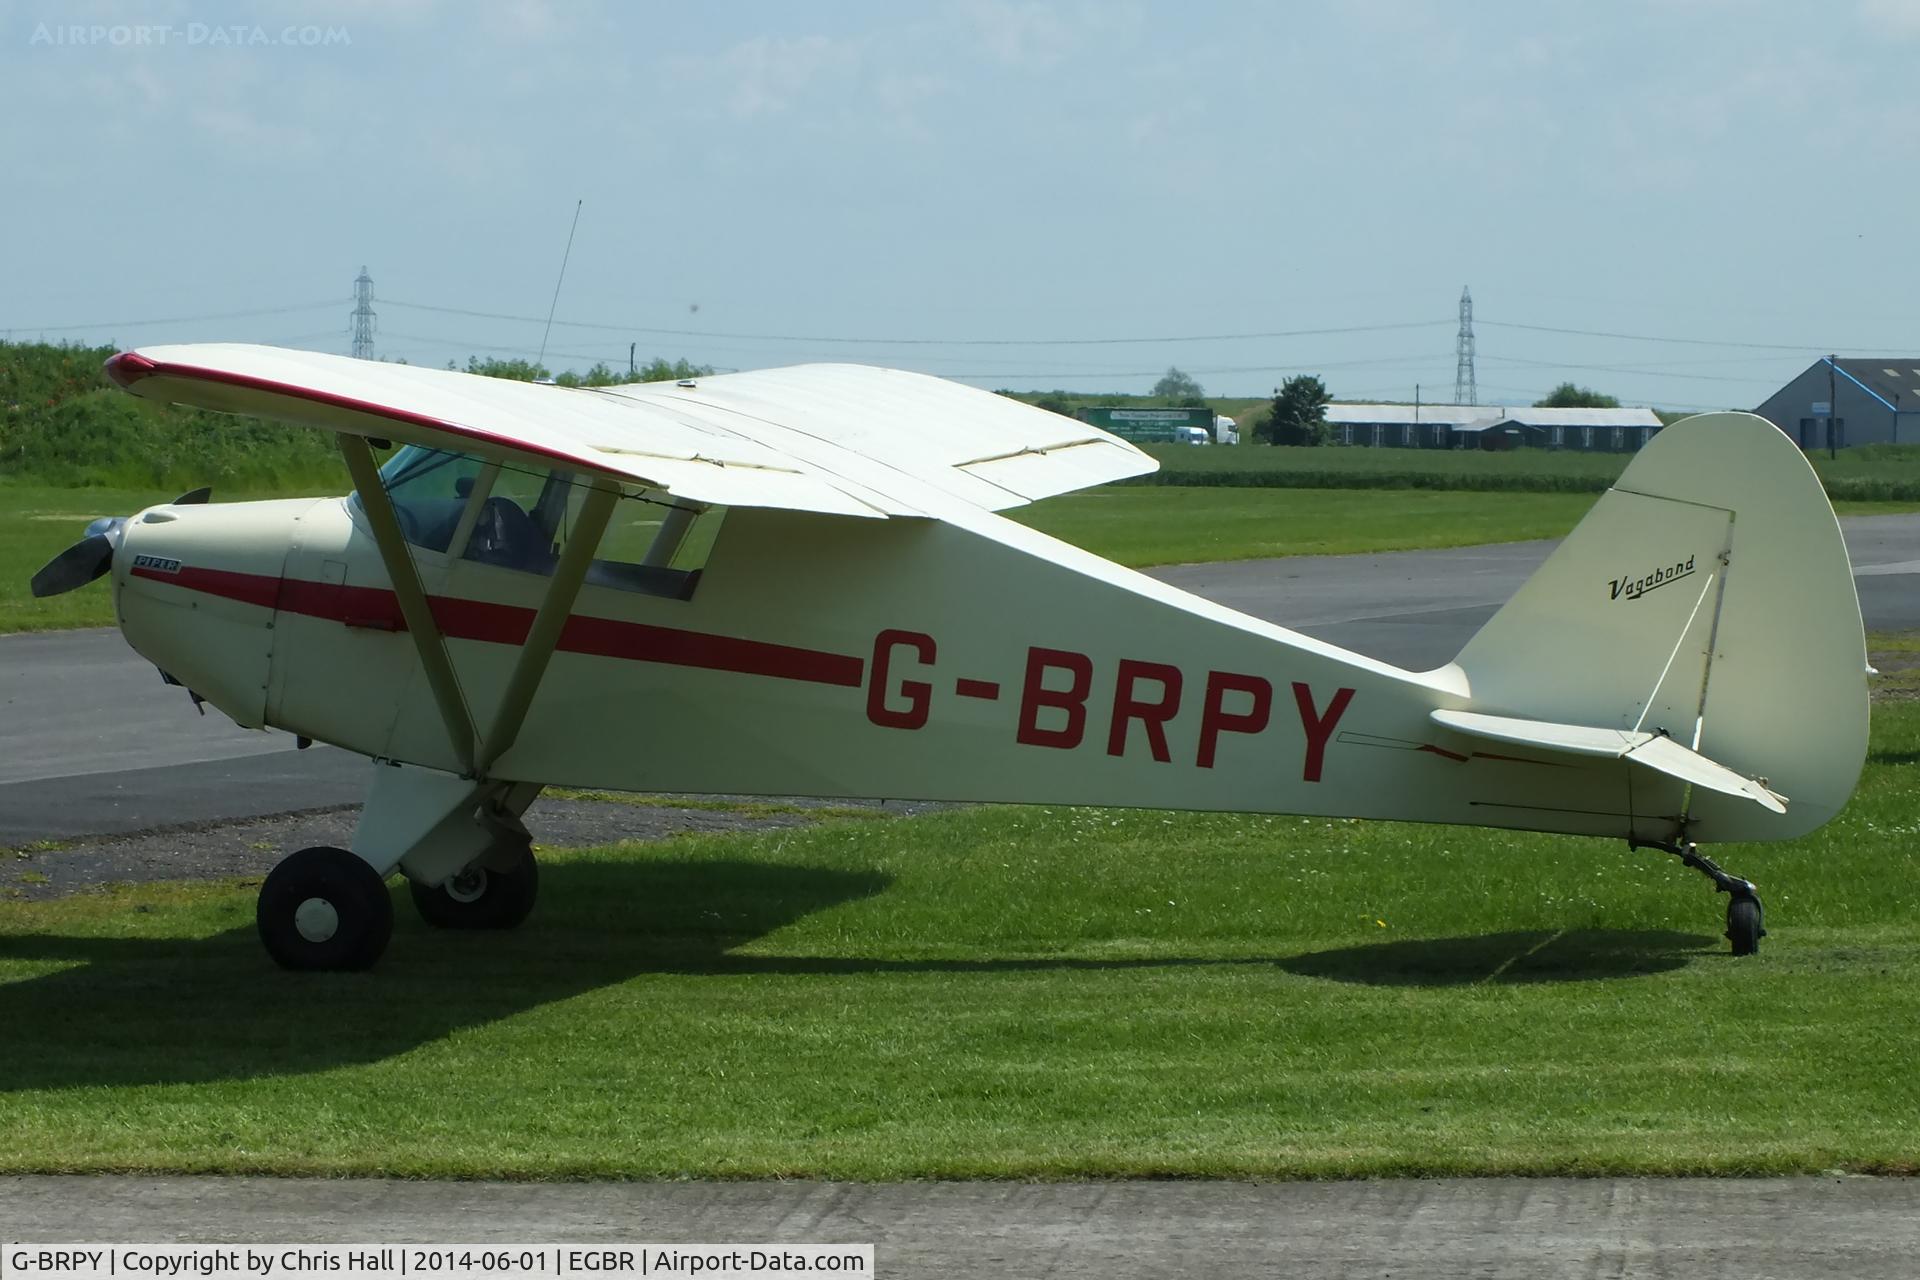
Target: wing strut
column 427, row 640
column 544, row 635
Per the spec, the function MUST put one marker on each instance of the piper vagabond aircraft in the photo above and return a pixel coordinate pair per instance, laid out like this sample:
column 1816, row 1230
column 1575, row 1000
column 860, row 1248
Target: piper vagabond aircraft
column 794, row 582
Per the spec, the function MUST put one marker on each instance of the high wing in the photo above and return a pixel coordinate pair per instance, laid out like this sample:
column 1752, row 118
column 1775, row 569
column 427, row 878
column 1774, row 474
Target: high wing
column 842, row 439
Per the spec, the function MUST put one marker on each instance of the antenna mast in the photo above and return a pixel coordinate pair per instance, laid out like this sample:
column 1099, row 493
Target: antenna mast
column 542, row 357
column 1463, row 388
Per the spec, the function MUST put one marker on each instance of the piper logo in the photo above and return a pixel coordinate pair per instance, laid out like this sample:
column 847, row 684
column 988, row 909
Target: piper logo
column 1634, row 588
column 159, row 564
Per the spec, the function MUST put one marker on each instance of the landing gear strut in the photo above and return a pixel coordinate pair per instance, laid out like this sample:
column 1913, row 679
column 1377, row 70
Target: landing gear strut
column 1746, row 919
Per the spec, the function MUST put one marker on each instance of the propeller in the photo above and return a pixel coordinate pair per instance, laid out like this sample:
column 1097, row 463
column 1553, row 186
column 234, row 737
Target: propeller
column 92, row 556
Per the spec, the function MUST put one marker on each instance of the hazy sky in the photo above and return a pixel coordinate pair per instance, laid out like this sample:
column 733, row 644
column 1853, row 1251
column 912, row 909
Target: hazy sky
column 959, row 187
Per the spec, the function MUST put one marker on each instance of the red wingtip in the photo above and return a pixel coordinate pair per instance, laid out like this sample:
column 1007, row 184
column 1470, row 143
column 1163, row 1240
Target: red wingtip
column 129, row 367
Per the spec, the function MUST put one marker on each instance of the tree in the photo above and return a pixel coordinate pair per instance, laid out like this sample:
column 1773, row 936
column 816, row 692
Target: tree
column 601, row 375
column 1176, row 385
column 1568, row 396
column 1299, row 414
column 517, row 370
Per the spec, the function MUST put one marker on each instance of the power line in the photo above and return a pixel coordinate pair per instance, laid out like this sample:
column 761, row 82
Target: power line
column 919, row 342
column 457, row 344
column 1690, row 342
column 1610, row 368
column 136, row 324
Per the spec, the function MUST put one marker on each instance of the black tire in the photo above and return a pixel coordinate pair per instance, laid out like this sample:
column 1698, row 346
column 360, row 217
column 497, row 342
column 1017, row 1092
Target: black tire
column 482, row 897
column 1744, row 926
column 324, row 909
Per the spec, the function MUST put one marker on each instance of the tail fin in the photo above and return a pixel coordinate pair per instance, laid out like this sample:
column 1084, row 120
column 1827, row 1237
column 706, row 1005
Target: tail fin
column 1708, row 599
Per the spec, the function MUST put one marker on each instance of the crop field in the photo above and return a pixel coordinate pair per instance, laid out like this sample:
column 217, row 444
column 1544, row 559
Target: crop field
column 1342, row 467
column 1014, row 992
column 1872, row 473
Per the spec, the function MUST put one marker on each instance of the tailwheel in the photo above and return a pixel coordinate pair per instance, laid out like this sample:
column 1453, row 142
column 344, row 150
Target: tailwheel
column 324, row 909
column 1745, row 916
column 1745, row 923
column 496, row 891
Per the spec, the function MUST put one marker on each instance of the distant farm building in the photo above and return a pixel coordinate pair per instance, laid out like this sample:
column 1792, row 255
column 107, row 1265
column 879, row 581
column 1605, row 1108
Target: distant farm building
column 1479, row 426
column 1867, row 402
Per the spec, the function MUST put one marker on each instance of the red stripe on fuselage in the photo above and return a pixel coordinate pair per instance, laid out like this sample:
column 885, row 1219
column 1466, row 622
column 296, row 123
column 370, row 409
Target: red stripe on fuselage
column 377, row 608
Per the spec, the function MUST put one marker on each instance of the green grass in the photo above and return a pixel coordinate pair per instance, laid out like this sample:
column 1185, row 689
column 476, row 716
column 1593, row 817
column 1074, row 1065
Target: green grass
column 1336, row 467
column 1146, row 526
column 38, row 521
column 713, row 804
column 1014, row 993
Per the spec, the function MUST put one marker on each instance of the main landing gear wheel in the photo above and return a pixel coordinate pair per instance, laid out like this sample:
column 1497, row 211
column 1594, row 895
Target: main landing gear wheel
column 484, row 895
column 324, row 909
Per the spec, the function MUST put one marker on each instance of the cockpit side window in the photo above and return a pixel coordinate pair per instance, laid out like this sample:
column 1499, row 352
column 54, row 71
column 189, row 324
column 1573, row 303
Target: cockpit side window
column 521, row 520
column 517, row 517
column 656, row 545
column 429, row 489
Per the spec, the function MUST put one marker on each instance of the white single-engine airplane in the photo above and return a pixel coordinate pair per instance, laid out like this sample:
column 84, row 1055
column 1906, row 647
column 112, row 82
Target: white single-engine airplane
column 793, row 582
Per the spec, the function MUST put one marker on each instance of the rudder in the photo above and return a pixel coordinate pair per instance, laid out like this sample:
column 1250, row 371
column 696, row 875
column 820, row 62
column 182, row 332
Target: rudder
column 1706, row 597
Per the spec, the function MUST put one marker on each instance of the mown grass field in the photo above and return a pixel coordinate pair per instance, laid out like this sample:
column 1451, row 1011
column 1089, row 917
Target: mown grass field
column 1872, row 473
column 1141, row 525
column 1359, row 467
column 1014, row 993
column 38, row 521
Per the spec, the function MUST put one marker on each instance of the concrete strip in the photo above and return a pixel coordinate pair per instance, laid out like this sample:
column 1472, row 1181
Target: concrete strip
column 1700, row 1229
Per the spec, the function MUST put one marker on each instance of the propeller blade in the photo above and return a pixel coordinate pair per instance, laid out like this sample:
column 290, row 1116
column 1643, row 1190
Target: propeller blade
column 194, row 497
column 78, row 565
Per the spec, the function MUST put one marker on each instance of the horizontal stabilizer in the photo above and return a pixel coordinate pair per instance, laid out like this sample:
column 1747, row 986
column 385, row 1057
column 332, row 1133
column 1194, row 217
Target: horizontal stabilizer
column 1652, row 750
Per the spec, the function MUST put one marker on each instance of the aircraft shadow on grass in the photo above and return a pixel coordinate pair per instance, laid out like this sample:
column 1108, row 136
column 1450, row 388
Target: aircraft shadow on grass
column 1568, row 955
column 1893, row 757
column 173, row 1011
column 181, row 1011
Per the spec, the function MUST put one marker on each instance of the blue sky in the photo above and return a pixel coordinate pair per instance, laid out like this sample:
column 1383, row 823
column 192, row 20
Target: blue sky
column 962, row 187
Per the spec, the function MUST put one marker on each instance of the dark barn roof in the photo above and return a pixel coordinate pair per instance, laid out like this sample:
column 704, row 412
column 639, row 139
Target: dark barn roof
column 1895, row 382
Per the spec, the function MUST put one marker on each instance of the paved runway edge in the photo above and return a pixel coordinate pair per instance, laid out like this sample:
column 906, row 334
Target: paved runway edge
column 1862, row 1228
